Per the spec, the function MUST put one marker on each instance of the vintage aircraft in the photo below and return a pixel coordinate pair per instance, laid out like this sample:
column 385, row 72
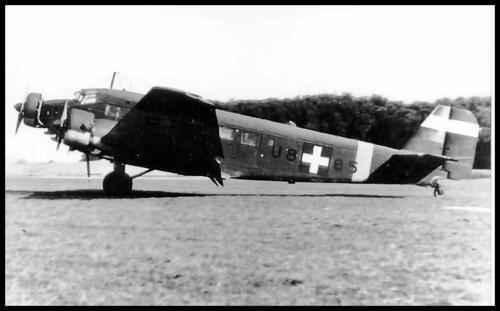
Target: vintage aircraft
column 175, row 131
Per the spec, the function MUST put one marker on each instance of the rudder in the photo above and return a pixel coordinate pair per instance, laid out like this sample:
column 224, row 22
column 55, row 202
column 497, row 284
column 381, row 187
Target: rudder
column 452, row 132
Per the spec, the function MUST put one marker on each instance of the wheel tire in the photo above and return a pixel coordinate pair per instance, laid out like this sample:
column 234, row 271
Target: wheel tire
column 117, row 184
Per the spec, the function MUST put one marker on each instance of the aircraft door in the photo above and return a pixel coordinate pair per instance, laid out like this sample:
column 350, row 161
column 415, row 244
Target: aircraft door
column 229, row 139
column 247, row 145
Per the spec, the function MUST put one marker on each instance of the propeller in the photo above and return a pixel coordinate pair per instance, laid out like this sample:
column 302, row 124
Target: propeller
column 62, row 122
column 59, row 140
column 19, row 107
column 28, row 110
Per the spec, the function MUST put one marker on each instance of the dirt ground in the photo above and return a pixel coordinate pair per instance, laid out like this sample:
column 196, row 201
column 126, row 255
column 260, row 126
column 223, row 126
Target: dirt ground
column 185, row 241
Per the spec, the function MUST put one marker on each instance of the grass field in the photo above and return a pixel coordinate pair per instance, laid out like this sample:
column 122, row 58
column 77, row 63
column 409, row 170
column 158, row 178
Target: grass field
column 185, row 241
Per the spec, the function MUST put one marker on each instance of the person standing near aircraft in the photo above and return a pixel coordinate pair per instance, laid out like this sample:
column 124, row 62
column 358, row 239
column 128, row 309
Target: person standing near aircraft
column 437, row 187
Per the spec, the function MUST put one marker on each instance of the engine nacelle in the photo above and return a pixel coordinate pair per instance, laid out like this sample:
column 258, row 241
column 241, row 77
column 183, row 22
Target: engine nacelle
column 75, row 138
column 32, row 105
column 31, row 122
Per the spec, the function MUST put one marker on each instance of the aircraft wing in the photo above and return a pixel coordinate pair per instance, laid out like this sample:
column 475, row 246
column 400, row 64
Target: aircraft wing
column 407, row 168
column 169, row 130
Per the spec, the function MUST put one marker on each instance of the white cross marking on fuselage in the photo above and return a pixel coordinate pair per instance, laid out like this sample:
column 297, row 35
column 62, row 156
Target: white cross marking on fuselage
column 315, row 159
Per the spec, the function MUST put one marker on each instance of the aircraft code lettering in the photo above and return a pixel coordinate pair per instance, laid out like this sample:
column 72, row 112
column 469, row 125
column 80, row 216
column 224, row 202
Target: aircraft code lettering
column 291, row 155
column 338, row 164
column 353, row 167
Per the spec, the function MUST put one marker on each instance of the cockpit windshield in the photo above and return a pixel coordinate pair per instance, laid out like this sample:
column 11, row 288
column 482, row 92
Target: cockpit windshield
column 84, row 97
column 77, row 96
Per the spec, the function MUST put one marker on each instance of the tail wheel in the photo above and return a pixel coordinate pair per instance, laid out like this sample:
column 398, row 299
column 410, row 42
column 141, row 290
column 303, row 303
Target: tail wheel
column 117, row 184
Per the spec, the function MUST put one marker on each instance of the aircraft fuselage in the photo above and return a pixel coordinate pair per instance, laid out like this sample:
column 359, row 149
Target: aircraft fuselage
column 179, row 132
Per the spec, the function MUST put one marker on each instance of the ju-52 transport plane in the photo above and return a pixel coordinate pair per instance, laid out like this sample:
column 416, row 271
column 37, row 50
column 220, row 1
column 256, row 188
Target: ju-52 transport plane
column 175, row 131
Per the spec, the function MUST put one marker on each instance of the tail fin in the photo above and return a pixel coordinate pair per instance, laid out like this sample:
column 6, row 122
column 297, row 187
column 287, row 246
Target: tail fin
column 452, row 132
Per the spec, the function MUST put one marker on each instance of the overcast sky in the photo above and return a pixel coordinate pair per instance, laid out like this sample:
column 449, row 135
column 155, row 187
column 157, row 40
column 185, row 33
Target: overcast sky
column 220, row 52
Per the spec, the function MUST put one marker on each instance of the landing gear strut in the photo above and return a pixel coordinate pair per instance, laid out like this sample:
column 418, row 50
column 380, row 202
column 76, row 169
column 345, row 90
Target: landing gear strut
column 117, row 182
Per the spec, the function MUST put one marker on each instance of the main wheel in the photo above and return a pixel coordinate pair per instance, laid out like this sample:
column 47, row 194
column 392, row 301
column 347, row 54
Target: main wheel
column 116, row 184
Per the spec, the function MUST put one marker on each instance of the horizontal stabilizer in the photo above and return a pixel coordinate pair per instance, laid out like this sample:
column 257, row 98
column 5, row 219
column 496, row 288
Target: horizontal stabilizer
column 407, row 168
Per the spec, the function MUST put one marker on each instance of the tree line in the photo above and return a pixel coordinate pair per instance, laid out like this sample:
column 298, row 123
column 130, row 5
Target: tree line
column 374, row 118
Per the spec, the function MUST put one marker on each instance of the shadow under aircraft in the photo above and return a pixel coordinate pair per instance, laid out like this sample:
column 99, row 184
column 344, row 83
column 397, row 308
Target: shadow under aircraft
column 139, row 194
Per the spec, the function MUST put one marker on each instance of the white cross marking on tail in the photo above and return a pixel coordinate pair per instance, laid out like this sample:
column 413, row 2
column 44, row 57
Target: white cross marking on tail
column 452, row 126
column 439, row 134
column 315, row 159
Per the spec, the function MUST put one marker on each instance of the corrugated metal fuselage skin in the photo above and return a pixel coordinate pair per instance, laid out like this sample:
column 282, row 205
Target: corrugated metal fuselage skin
column 252, row 148
column 277, row 152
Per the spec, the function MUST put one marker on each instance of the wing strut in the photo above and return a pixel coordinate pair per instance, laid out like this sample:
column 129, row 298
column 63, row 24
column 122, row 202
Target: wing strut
column 140, row 174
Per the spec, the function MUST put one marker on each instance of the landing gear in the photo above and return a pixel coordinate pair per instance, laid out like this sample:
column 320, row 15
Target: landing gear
column 118, row 182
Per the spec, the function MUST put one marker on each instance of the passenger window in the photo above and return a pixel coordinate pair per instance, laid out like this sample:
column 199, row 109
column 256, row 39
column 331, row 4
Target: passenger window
column 226, row 133
column 249, row 139
column 112, row 111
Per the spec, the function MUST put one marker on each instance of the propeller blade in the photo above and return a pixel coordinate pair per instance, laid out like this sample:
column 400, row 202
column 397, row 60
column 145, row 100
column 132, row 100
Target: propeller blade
column 87, row 158
column 62, row 124
column 20, row 108
column 19, row 119
column 64, row 114
column 59, row 139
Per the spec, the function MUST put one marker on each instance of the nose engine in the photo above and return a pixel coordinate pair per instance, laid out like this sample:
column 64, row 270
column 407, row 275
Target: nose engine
column 29, row 110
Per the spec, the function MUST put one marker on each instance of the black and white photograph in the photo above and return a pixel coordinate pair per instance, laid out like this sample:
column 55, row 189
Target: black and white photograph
column 160, row 155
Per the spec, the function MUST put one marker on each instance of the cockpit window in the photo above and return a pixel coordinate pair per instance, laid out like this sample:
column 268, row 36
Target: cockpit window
column 225, row 133
column 78, row 96
column 88, row 99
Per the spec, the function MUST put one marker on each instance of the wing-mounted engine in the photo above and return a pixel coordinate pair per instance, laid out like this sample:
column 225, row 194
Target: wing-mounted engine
column 83, row 131
column 79, row 134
